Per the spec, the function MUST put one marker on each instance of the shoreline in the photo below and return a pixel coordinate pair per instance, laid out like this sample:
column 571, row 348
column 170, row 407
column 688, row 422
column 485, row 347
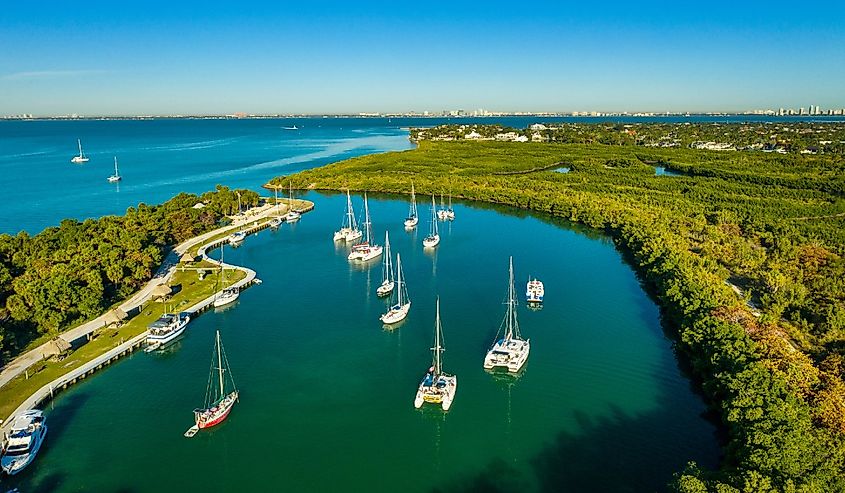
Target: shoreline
column 166, row 271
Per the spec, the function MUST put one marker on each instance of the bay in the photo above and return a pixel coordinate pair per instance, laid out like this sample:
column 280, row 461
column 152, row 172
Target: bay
column 327, row 393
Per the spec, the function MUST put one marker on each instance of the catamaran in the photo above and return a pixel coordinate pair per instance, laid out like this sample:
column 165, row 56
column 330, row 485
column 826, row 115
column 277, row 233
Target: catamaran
column 534, row 291
column 218, row 401
column 433, row 238
column 399, row 310
column 168, row 327
column 81, row 158
column 366, row 250
column 412, row 219
column 511, row 351
column 292, row 216
column 437, row 387
column 116, row 176
column 227, row 295
column 349, row 229
column 387, row 281
column 27, row 433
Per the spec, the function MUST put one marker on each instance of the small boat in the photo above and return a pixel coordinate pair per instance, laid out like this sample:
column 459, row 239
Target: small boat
column 510, row 351
column 433, row 238
column 292, row 216
column 236, row 238
column 218, row 401
column 437, row 387
column 291, row 128
column 366, row 250
column 81, row 158
column 534, row 291
column 412, row 219
column 25, row 438
column 227, row 295
column 349, row 229
column 387, row 281
column 399, row 310
column 168, row 327
column 276, row 221
column 442, row 213
column 450, row 213
column 116, row 176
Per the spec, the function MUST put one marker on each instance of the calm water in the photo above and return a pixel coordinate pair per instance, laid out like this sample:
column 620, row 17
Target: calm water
column 327, row 393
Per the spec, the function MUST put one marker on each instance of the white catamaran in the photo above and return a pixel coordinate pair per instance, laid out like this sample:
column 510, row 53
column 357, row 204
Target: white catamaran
column 437, row 387
column 227, row 295
column 412, row 219
column 292, row 216
column 218, row 401
column 116, row 176
column 81, row 158
column 387, row 279
column 349, row 229
column 366, row 250
column 399, row 310
column 511, row 351
column 433, row 238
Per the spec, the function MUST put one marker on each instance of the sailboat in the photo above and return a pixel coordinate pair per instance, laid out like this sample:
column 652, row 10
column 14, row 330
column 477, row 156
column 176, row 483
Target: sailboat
column 511, row 351
column 387, row 281
column 349, row 229
column 412, row 220
column 450, row 213
column 366, row 250
column 442, row 213
column 292, row 216
column 218, row 403
column 81, row 158
column 437, row 387
column 116, row 176
column 239, row 236
column 227, row 295
column 433, row 238
column 276, row 221
column 399, row 310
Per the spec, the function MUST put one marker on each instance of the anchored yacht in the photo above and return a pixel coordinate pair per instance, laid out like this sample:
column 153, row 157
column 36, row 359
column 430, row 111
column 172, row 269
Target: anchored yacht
column 27, row 434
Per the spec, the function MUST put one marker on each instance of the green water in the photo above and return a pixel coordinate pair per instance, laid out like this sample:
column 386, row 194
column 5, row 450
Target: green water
column 327, row 393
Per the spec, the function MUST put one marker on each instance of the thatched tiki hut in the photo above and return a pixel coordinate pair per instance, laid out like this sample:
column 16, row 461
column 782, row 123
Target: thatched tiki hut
column 115, row 317
column 162, row 291
column 187, row 258
column 58, row 347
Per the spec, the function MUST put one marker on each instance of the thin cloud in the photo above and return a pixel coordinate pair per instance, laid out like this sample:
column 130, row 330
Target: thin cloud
column 49, row 74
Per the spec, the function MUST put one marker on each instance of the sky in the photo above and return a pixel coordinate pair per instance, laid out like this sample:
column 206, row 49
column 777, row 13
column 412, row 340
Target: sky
column 152, row 57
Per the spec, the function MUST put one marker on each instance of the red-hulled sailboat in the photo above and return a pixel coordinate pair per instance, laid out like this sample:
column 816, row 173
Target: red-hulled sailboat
column 218, row 402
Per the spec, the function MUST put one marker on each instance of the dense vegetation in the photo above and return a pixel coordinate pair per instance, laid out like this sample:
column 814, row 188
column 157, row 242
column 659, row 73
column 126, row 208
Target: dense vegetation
column 73, row 272
column 743, row 251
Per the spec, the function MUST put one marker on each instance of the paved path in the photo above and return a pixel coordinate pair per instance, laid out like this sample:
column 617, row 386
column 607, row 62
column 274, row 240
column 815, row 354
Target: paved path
column 165, row 271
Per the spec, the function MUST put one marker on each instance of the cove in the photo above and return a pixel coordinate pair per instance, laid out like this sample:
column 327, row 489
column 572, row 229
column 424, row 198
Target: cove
column 327, row 393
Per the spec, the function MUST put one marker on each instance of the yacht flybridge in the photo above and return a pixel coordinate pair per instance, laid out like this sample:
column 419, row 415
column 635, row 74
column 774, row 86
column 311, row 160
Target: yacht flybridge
column 27, row 434
column 412, row 219
column 509, row 352
column 437, row 387
column 218, row 401
column 366, row 250
column 349, row 229
column 433, row 238
column 81, row 158
column 398, row 310
column 387, row 280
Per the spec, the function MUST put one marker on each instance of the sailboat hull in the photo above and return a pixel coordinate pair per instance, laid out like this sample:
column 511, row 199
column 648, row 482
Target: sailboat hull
column 431, row 241
column 385, row 289
column 206, row 418
column 396, row 314
column 411, row 223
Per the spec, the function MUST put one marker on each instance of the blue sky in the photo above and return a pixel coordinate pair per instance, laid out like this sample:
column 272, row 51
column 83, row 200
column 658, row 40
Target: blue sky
column 311, row 57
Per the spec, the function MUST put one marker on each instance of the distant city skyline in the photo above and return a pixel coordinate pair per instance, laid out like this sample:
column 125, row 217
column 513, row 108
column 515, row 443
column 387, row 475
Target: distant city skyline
column 111, row 59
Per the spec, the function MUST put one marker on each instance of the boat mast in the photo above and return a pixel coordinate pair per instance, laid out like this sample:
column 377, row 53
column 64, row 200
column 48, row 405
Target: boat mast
column 413, row 202
column 367, row 226
column 433, row 217
column 79, row 144
column 350, row 214
column 399, row 285
column 290, row 196
column 115, row 166
column 276, row 196
column 222, row 269
column 437, row 348
column 220, row 363
column 512, row 325
column 387, row 267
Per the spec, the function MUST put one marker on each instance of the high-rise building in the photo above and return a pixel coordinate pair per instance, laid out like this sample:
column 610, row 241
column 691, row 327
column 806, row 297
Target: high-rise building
column 802, row 111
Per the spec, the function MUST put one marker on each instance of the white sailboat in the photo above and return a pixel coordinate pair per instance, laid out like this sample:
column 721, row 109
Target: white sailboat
column 237, row 237
column 349, row 229
column 412, row 219
column 510, row 351
column 450, row 213
column 387, row 280
column 399, row 310
column 81, row 158
column 116, row 176
column 292, row 216
column 366, row 250
column 437, row 387
column 218, row 402
column 227, row 295
column 433, row 238
column 442, row 213
column 276, row 221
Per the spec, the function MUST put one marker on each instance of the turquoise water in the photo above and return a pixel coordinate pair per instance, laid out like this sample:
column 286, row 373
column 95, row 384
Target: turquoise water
column 327, row 393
